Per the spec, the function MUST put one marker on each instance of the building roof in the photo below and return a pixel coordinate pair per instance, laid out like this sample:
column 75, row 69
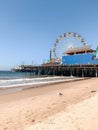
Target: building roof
column 79, row 50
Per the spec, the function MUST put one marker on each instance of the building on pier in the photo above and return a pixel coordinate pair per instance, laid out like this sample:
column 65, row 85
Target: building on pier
column 80, row 56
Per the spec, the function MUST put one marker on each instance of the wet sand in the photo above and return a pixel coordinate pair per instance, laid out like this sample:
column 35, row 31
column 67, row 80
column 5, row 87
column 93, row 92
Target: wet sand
column 29, row 109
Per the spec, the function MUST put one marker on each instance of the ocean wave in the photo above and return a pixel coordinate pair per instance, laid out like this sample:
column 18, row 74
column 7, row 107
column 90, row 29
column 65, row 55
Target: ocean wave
column 32, row 81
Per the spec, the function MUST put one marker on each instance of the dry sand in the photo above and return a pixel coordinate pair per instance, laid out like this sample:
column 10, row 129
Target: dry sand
column 43, row 109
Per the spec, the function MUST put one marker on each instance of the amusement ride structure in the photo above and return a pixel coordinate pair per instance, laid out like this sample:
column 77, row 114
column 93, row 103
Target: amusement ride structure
column 67, row 42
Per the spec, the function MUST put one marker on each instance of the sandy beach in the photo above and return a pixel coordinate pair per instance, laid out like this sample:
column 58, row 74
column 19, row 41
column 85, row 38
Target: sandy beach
column 43, row 108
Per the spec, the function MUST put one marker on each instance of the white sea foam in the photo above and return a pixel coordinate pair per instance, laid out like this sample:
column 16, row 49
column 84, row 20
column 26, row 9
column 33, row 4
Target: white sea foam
column 32, row 81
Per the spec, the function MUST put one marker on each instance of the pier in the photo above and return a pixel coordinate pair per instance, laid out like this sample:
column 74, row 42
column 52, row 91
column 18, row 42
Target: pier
column 64, row 70
column 76, row 59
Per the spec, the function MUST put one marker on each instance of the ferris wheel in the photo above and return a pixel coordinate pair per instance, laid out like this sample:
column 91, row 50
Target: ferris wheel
column 65, row 42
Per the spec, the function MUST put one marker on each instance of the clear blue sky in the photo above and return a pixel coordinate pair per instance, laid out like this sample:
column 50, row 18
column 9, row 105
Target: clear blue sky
column 29, row 28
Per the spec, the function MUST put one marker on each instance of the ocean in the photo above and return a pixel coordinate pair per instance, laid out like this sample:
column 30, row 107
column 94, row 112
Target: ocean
column 13, row 75
column 13, row 79
column 17, row 81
